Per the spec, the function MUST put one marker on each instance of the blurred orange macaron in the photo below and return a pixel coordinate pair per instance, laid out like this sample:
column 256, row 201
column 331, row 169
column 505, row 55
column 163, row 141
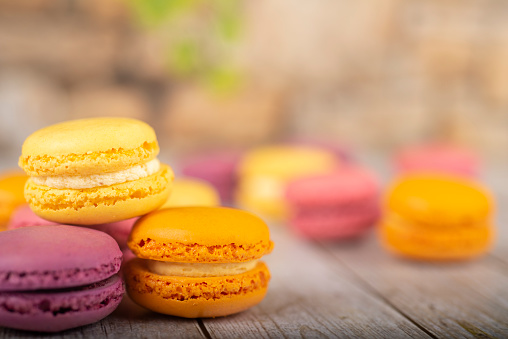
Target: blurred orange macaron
column 11, row 194
column 434, row 217
column 198, row 261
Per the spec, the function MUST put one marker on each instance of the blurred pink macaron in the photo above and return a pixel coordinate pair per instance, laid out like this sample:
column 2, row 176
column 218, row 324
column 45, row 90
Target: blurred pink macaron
column 24, row 216
column 219, row 168
column 338, row 205
column 438, row 158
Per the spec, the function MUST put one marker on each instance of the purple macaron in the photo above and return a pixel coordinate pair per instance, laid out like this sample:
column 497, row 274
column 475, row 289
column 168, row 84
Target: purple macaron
column 219, row 168
column 54, row 278
column 120, row 230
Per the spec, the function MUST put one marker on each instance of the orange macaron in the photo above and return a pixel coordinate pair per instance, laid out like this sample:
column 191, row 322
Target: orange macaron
column 198, row 261
column 435, row 217
column 12, row 185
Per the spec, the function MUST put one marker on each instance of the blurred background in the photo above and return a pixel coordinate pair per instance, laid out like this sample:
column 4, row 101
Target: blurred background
column 224, row 73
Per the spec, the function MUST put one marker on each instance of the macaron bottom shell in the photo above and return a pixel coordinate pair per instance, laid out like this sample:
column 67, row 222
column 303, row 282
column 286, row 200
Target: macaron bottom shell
column 334, row 228
column 437, row 244
column 196, row 297
column 58, row 310
column 101, row 205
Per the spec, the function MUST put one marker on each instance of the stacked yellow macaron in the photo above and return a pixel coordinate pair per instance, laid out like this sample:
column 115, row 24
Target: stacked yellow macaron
column 198, row 261
column 437, row 218
column 94, row 171
column 265, row 172
column 11, row 195
column 192, row 192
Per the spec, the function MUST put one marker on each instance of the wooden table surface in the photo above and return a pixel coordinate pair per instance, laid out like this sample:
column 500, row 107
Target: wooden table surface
column 353, row 289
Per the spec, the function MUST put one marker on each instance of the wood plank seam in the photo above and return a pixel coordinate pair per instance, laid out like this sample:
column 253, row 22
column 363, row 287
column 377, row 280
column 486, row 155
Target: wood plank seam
column 375, row 293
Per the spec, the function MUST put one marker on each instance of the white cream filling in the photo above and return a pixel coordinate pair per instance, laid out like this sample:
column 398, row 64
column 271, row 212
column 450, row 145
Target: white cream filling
column 199, row 269
column 97, row 180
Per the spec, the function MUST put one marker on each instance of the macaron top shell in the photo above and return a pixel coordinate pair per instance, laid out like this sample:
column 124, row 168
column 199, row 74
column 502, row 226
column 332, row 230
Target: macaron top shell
column 347, row 184
column 46, row 257
column 440, row 200
column 88, row 146
column 200, row 234
column 438, row 158
column 287, row 162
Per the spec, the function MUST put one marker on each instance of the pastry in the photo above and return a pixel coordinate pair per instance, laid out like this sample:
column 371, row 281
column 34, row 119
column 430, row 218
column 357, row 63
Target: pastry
column 54, row 278
column 341, row 204
column 438, row 158
column 11, row 194
column 219, row 168
column 433, row 217
column 265, row 172
column 192, row 192
column 94, row 171
column 198, row 262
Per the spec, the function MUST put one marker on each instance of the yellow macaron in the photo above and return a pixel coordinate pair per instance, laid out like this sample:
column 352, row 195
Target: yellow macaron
column 264, row 173
column 192, row 192
column 94, row 171
column 198, row 261
column 11, row 194
column 437, row 217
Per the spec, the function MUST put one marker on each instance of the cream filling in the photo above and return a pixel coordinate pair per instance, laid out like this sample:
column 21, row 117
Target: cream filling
column 97, row 180
column 264, row 187
column 198, row 269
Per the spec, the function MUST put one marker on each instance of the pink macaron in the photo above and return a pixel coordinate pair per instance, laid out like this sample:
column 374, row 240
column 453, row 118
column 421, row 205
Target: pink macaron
column 338, row 205
column 24, row 216
column 438, row 158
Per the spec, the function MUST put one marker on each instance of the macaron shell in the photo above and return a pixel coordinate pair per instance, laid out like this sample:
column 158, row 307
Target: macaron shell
column 348, row 185
column 438, row 159
column 67, row 256
column 191, row 192
column 441, row 200
column 217, row 168
column 55, row 311
column 274, row 208
column 24, row 217
column 196, row 297
column 88, row 146
column 200, row 234
column 11, row 194
column 419, row 242
column 286, row 162
column 335, row 224
column 101, row 204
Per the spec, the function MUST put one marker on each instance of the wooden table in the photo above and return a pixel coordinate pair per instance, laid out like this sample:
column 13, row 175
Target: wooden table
column 355, row 289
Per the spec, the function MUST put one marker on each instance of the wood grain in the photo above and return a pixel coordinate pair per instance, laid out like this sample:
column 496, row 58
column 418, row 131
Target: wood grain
column 346, row 290
column 456, row 300
column 312, row 296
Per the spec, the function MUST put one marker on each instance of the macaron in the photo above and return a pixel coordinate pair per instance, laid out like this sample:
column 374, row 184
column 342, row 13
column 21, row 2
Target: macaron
column 438, row 158
column 119, row 230
column 198, row 262
column 54, row 278
column 219, row 168
column 435, row 217
column 264, row 173
column 192, row 192
column 11, row 194
column 338, row 205
column 94, row 171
